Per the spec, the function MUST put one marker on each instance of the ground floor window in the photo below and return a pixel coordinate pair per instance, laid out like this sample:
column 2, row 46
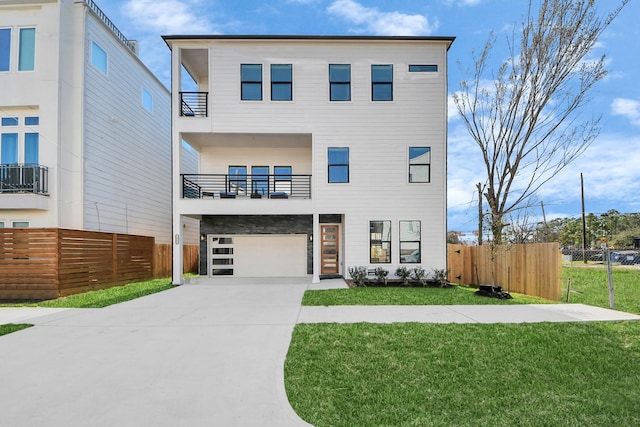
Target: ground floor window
column 380, row 242
column 410, row 242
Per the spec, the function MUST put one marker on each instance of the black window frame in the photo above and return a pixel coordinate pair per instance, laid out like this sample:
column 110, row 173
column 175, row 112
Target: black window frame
column 237, row 179
column 377, row 83
column 423, row 68
column 259, row 178
column 379, row 242
column 282, row 83
column 248, row 81
column 412, row 165
column 406, row 240
column 282, row 177
column 331, row 166
column 335, row 82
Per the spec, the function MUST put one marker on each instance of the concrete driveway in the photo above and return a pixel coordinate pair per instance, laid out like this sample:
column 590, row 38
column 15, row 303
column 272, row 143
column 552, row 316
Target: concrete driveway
column 196, row 355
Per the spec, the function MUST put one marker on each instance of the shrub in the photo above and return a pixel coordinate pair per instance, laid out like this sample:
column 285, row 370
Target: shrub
column 359, row 275
column 419, row 275
column 440, row 276
column 403, row 273
column 381, row 275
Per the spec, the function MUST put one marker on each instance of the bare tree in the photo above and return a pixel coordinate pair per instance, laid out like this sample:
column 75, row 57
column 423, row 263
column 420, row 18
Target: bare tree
column 525, row 116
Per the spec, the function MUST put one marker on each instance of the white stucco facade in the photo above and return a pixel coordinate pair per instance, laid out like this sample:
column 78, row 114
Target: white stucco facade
column 380, row 133
column 103, row 125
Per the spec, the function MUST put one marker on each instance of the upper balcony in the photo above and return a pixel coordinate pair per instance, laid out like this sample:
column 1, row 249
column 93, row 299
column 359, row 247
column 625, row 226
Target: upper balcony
column 224, row 186
column 28, row 178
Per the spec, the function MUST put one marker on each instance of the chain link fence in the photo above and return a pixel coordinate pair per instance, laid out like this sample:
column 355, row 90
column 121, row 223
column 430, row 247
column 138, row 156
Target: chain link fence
column 618, row 256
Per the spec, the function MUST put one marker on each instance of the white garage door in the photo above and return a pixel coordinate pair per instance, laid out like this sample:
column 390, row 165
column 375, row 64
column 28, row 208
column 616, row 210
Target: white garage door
column 258, row 255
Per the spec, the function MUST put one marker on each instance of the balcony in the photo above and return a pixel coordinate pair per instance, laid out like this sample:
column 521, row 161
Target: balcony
column 211, row 186
column 28, row 178
column 194, row 104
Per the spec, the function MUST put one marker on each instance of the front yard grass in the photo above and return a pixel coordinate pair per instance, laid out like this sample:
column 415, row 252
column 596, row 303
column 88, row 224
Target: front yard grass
column 455, row 295
column 590, row 286
column 410, row 374
column 13, row 327
column 103, row 297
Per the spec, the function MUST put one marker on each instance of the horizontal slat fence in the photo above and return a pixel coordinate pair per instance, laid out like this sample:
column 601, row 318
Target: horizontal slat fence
column 49, row 263
column 531, row 269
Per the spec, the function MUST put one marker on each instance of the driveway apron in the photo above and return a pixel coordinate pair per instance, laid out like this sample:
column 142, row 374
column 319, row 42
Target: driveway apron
column 209, row 354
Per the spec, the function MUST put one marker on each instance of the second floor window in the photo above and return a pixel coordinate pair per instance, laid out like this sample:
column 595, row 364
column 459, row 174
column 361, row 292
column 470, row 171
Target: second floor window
column 340, row 82
column 419, row 164
column 251, row 82
column 99, row 57
column 5, row 49
column 382, row 82
column 237, row 179
column 281, row 82
column 19, row 140
column 338, row 164
column 27, row 50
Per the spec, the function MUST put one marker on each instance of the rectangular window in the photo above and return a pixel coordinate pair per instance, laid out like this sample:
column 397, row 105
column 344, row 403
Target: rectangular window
column 20, row 224
column 237, row 179
column 340, row 82
column 380, row 242
column 27, row 52
column 382, row 82
column 99, row 58
column 423, row 68
column 147, row 100
column 9, row 121
column 251, row 81
column 410, row 242
column 9, row 148
column 5, row 49
column 419, row 164
column 282, row 179
column 338, row 161
column 260, row 180
column 1, row 224
column 281, row 82
column 31, row 146
column 32, row 121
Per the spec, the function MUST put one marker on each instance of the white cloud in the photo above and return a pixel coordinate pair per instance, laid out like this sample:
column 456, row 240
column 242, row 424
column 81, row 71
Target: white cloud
column 628, row 108
column 168, row 16
column 371, row 20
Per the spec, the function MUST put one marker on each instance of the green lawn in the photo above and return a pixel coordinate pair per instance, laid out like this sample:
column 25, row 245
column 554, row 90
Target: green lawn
column 11, row 327
column 104, row 297
column 455, row 295
column 590, row 286
column 548, row 374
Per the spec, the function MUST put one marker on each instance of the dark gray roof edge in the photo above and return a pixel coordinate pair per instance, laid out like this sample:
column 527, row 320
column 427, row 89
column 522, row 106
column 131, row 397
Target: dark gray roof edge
column 166, row 38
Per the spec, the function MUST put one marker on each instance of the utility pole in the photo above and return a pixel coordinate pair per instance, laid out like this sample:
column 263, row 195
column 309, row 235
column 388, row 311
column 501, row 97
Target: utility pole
column 479, row 214
column 584, row 223
column 544, row 220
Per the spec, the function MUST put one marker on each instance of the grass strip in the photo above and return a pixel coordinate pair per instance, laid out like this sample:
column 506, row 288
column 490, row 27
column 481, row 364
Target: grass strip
column 454, row 295
column 13, row 327
column 410, row 374
column 590, row 285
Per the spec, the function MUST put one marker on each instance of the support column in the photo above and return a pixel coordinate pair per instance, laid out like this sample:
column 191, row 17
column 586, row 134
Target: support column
column 316, row 248
column 177, row 251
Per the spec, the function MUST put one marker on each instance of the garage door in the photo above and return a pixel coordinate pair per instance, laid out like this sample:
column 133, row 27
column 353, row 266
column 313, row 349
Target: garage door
column 258, row 255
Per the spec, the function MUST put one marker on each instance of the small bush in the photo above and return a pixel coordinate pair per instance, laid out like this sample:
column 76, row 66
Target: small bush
column 381, row 275
column 404, row 274
column 419, row 275
column 440, row 276
column 359, row 275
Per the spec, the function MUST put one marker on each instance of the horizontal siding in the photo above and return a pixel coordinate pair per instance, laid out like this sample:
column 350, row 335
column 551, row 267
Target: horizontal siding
column 127, row 148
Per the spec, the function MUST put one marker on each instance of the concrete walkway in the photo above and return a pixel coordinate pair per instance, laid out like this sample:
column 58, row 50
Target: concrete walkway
column 196, row 355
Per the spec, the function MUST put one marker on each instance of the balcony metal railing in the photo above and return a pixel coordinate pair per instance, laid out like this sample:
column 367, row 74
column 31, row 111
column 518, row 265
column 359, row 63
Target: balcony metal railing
column 28, row 178
column 194, row 104
column 128, row 43
column 203, row 186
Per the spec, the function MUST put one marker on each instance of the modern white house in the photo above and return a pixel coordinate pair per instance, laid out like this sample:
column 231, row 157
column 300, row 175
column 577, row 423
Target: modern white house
column 85, row 126
column 316, row 153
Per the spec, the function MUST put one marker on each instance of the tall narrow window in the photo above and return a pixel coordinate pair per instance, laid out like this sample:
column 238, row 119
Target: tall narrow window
column 9, row 148
column 382, row 82
column 238, row 179
column 338, row 161
column 251, row 81
column 31, row 147
column 5, row 49
column 281, row 82
column 147, row 100
column 27, row 52
column 259, row 180
column 282, row 179
column 99, row 57
column 419, row 164
column 410, row 242
column 380, row 242
column 340, row 82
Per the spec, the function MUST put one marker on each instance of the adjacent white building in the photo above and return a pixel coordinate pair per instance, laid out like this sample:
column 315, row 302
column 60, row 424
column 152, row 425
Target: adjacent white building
column 85, row 126
column 316, row 153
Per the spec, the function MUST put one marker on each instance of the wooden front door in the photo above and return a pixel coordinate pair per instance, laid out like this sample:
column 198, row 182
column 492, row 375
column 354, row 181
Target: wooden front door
column 329, row 248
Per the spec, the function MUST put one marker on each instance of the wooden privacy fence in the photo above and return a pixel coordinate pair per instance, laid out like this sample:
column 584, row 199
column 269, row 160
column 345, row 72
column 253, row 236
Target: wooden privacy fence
column 162, row 263
column 531, row 269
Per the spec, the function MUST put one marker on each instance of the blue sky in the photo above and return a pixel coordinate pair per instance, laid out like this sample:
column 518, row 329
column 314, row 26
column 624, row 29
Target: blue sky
column 611, row 166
